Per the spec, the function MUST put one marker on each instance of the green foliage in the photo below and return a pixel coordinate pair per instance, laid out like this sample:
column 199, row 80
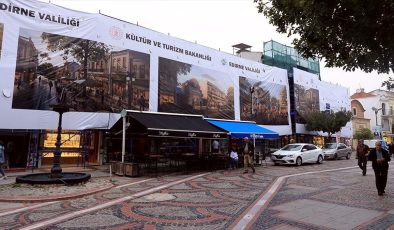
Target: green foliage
column 348, row 34
column 363, row 134
column 329, row 122
column 81, row 49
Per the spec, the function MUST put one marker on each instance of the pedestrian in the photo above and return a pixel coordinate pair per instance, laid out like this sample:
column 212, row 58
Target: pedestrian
column 248, row 152
column 215, row 146
column 233, row 158
column 292, row 141
column 50, row 86
column 2, row 160
column 391, row 148
column 380, row 158
column 141, row 102
column 362, row 152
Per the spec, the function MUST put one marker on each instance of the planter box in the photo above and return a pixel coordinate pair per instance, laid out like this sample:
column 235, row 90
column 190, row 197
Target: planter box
column 131, row 169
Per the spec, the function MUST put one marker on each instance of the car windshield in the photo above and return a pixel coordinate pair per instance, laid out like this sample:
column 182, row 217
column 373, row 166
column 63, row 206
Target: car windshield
column 292, row 148
column 330, row 146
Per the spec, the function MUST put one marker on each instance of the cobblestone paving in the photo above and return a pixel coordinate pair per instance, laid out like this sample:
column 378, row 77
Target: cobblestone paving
column 216, row 201
column 29, row 217
column 210, row 202
column 330, row 200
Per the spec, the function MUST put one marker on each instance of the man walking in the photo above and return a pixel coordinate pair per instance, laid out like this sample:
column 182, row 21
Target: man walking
column 380, row 158
column 2, row 160
column 248, row 152
column 362, row 152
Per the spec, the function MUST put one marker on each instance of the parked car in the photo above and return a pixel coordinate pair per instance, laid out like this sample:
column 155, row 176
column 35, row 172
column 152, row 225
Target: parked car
column 298, row 153
column 371, row 144
column 336, row 151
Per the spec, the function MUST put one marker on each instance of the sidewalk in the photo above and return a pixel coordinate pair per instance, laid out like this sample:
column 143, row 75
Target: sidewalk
column 12, row 192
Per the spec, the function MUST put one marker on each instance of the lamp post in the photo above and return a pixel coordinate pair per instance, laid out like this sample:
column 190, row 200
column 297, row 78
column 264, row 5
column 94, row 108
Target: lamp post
column 376, row 114
column 56, row 170
column 376, row 118
column 251, row 101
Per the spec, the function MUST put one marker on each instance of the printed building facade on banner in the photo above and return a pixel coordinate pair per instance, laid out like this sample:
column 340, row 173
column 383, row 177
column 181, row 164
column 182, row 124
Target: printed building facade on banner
column 99, row 65
column 313, row 95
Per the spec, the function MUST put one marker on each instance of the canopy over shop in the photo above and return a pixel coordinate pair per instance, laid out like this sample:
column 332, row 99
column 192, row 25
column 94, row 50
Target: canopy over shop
column 163, row 135
column 242, row 129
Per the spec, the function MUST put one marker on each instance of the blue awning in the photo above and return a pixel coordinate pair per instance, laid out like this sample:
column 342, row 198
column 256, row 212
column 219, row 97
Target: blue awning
column 241, row 129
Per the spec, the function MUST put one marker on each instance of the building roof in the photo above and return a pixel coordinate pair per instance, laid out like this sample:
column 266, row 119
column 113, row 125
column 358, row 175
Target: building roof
column 242, row 46
column 361, row 94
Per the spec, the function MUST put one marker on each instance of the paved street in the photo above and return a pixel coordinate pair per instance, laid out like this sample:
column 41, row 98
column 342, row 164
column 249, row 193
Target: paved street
column 333, row 195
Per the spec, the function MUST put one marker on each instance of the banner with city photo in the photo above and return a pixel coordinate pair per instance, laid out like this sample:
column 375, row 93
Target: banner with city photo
column 88, row 76
column 311, row 94
column 306, row 94
column 95, row 63
column 264, row 102
column 190, row 89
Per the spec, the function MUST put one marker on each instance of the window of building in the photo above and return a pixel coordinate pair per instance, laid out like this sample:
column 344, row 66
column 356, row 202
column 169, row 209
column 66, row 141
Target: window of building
column 383, row 109
column 142, row 71
column 354, row 111
column 391, row 110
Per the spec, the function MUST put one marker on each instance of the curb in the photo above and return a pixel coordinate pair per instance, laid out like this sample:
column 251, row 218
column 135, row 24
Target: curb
column 32, row 199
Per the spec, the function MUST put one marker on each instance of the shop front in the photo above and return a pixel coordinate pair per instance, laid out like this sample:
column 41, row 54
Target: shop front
column 262, row 138
column 79, row 148
column 166, row 141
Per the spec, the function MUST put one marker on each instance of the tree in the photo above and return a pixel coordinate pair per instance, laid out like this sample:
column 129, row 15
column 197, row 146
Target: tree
column 81, row 49
column 363, row 134
column 328, row 122
column 348, row 34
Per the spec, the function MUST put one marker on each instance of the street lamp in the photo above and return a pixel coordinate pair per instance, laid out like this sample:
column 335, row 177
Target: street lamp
column 251, row 101
column 376, row 114
column 56, row 170
column 376, row 119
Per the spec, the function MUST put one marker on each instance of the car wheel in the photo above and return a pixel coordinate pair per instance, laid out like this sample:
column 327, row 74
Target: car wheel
column 299, row 161
column 348, row 156
column 319, row 159
column 336, row 157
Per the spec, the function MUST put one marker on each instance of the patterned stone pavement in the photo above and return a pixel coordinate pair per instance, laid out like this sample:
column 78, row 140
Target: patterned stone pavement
column 217, row 200
column 331, row 200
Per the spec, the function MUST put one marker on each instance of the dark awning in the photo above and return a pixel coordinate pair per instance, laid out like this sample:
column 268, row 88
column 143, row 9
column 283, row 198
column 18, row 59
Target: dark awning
column 241, row 129
column 170, row 125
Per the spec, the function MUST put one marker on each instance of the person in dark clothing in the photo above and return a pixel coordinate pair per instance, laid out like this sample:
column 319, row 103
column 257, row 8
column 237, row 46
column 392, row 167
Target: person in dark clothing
column 248, row 152
column 391, row 148
column 362, row 152
column 380, row 158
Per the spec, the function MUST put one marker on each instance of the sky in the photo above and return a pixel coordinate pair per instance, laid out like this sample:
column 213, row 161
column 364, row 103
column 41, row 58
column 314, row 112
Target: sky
column 217, row 24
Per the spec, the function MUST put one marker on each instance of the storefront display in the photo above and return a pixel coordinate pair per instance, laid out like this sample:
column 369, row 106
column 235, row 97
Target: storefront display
column 70, row 146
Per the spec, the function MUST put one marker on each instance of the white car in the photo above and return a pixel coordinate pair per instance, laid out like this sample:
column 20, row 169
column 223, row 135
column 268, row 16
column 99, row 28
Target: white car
column 298, row 154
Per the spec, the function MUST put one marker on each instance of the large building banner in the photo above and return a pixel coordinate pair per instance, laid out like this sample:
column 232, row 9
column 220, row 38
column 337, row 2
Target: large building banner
column 190, row 89
column 87, row 75
column 313, row 95
column 265, row 102
column 98, row 65
column 306, row 94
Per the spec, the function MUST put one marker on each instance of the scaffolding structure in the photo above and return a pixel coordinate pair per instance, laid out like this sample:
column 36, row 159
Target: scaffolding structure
column 286, row 57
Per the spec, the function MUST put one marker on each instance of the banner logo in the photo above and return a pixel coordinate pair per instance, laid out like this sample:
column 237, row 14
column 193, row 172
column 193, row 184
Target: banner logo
column 116, row 33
